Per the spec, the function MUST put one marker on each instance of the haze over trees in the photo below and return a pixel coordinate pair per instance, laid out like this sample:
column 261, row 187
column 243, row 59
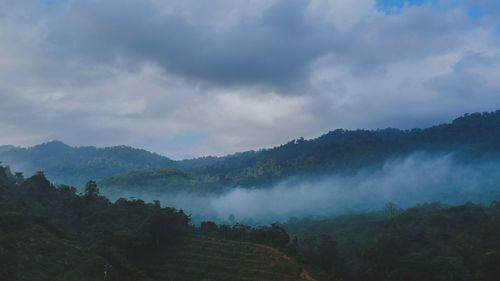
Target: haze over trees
column 472, row 136
column 77, row 165
column 427, row 242
column 263, row 140
column 132, row 239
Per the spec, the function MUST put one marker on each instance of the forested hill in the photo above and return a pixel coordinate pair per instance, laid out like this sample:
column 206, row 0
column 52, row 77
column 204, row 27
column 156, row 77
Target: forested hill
column 76, row 165
column 59, row 234
column 474, row 135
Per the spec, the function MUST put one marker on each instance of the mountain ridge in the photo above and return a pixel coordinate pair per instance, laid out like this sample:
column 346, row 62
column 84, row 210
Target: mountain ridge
column 76, row 165
column 474, row 134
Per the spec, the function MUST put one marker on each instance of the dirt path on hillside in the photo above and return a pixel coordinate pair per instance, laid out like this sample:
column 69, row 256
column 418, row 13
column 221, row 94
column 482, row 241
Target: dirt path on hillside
column 304, row 275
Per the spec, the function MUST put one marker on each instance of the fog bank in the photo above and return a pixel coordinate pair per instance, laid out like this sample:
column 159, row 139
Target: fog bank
column 408, row 181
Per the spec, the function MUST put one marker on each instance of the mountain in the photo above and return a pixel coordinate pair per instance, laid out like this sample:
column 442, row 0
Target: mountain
column 57, row 233
column 77, row 165
column 158, row 181
column 32, row 251
column 471, row 136
column 474, row 134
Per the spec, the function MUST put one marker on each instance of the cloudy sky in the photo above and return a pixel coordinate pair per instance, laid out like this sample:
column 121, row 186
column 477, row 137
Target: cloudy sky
column 188, row 78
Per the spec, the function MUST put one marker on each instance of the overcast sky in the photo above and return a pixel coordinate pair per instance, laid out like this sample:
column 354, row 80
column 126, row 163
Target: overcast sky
column 189, row 78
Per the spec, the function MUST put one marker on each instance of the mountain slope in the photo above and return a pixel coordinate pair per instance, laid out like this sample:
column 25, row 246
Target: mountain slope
column 219, row 260
column 77, row 165
column 473, row 135
column 470, row 136
column 30, row 251
column 477, row 133
column 49, row 233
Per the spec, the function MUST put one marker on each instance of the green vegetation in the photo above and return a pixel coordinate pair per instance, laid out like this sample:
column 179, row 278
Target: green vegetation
column 45, row 223
column 474, row 135
column 429, row 242
column 425, row 243
column 470, row 137
column 55, row 233
column 220, row 260
column 50, row 232
column 29, row 251
column 129, row 170
column 77, row 165
column 159, row 180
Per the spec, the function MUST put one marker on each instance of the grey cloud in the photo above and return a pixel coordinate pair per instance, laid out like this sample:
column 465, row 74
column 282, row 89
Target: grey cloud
column 124, row 70
column 275, row 48
column 471, row 77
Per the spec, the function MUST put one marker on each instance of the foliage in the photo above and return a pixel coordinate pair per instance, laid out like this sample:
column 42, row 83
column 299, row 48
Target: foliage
column 273, row 235
column 470, row 137
column 216, row 259
column 127, row 170
column 54, row 232
column 425, row 243
column 116, row 234
column 77, row 165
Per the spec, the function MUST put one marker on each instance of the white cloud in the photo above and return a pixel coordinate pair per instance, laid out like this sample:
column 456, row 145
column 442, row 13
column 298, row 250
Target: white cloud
column 189, row 78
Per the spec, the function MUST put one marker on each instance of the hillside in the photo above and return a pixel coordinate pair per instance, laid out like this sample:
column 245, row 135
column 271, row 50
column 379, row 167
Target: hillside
column 474, row 134
column 77, row 165
column 428, row 242
column 221, row 260
column 29, row 251
column 55, row 233
column 470, row 136
column 159, row 180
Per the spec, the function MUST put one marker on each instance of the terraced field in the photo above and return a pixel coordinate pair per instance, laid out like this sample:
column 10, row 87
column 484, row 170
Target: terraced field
column 222, row 260
column 30, row 252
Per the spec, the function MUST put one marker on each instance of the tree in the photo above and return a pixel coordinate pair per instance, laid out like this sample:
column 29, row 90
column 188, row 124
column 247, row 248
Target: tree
column 392, row 210
column 208, row 228
column 19, row 178
column 91, row 189
column 490, row 270
column 327, row 253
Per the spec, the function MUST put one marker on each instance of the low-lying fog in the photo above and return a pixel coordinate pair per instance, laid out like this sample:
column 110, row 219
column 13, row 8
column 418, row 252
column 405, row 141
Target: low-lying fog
column 416, row 179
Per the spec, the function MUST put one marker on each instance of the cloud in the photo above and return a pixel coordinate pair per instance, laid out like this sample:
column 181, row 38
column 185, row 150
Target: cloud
column 416, row 179
column 274, row 47
column 190, row 78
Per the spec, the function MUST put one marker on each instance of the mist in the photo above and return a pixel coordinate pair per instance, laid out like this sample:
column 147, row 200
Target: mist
column 419, row 178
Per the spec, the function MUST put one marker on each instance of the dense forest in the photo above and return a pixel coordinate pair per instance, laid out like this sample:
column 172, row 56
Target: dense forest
column 472, row 136
column 430, row 242
column 261, row 140
column 77, row 165
column 61, row 232
column 133, row 240
column 470, row 139
column 117, row 234
column 50, row 232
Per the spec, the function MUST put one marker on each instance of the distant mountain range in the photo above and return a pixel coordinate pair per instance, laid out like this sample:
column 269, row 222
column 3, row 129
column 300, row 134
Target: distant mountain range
column 472, row 135
column 76, row 165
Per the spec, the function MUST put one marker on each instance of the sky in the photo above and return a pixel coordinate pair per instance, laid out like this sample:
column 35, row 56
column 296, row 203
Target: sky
column 188, row 78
